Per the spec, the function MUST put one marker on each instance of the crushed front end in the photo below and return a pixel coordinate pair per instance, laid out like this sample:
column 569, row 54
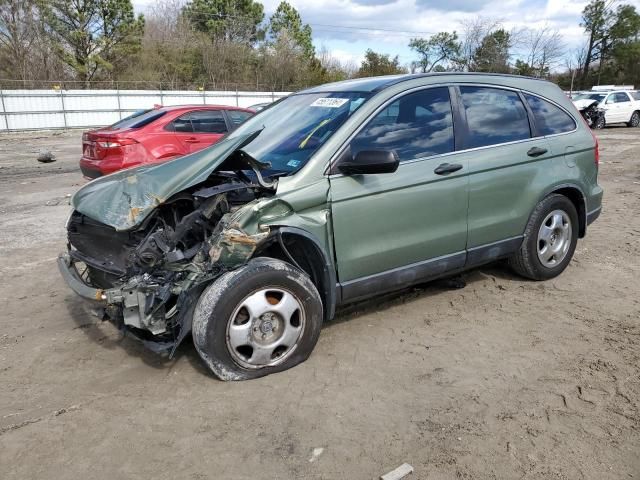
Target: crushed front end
column 146, row 280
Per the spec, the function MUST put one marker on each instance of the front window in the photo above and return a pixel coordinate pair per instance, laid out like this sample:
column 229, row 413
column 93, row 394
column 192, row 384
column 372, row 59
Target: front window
column 418, row 125
column 294, row 128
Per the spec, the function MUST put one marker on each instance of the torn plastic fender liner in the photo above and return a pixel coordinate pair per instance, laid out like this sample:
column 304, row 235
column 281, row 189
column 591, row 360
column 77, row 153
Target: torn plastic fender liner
column 124, row 199
column 234, row 247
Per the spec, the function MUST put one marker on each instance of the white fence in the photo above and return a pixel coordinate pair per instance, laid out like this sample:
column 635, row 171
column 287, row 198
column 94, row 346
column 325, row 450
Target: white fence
column 49, row 109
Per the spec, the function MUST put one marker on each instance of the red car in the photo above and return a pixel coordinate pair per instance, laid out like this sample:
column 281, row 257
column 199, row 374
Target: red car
column 156, row 135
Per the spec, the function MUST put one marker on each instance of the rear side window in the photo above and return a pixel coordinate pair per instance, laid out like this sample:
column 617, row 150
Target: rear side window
column 238, row 116
column 635, row 95
column 139, row 119
column 208, row 121
column 415, row 126
column 549, row 118
column 494, row 116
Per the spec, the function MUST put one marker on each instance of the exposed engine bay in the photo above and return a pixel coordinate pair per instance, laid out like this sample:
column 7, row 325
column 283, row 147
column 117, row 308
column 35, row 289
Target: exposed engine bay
column 150, row 277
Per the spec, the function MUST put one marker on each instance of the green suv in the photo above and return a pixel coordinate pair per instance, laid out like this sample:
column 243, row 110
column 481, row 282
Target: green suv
column 333, row 195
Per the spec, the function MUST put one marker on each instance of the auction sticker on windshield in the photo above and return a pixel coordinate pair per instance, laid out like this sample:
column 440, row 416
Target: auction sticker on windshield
column 330, row 102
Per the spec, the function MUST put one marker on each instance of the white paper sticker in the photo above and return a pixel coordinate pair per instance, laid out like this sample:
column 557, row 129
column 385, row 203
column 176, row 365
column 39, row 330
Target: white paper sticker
column 330, row 102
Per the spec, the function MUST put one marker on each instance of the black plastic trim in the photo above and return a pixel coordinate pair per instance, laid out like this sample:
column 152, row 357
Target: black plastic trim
column 329, row 280
column 493, row 251
column 401, row 277
column 561, row 186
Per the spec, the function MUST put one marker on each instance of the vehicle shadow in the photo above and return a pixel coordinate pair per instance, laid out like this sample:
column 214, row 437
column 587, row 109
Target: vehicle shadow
column 89, row 324
column 95, row 330
column 497, row 270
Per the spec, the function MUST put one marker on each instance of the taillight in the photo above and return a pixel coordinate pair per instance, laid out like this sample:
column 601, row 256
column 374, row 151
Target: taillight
column 109, row 143
column 595, row 139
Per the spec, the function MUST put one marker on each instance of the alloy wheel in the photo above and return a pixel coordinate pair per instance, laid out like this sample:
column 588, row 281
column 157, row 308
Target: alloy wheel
column 554, row 238
column 265, row 328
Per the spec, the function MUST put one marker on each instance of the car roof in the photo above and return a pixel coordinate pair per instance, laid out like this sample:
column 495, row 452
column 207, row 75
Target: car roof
column 376, row 84
column 173, row 108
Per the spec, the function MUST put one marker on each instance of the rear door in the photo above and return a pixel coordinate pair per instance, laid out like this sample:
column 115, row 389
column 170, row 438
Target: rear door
column 625, row 104
column 182, row 129
column 395, row 228
column 504, row 168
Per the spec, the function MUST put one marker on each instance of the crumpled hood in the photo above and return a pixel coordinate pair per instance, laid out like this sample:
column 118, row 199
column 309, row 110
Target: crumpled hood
column 124, row 199
column 584, row 103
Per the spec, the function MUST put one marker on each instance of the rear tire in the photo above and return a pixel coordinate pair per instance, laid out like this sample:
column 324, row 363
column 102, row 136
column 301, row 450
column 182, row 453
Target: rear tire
column 550, row 239
column 635, row 120
column 261, row 318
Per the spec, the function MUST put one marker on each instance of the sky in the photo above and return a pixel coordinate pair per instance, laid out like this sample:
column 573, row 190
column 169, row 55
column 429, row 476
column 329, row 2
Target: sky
column 331, row 21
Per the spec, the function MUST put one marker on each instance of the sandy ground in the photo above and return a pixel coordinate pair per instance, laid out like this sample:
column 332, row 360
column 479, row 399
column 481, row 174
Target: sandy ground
column 502, row 379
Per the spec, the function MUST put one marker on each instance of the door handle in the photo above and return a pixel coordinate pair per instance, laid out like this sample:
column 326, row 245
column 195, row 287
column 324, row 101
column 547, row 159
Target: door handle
column 536, row 151
column 447, row 168
column 191, row 140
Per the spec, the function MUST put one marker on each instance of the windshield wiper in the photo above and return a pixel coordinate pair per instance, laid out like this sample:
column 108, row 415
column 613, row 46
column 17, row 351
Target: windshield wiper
column 257, row 166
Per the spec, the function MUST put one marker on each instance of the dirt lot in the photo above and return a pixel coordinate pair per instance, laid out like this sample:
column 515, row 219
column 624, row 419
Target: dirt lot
column 502, row 379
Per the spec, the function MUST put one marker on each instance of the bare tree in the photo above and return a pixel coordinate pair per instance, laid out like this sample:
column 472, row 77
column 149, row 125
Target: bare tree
column 473, row 33
column 17, row 36
column 544, row 49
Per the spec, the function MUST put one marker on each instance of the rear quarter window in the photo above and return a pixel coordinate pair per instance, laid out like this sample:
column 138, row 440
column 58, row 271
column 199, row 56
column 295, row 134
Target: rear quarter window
column 550, row 119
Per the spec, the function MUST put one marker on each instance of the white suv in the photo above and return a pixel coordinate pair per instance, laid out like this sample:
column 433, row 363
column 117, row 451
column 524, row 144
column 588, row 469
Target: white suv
column 620, row 106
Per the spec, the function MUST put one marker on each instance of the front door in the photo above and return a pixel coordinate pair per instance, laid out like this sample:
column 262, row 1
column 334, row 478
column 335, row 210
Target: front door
column 393, row 229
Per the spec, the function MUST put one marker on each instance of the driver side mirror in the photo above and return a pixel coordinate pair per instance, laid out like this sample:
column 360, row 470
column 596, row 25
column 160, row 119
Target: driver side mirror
column 370, row 162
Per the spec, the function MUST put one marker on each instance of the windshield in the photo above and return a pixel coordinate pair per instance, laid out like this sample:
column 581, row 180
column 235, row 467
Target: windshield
column 295, row 127
column 591, row 96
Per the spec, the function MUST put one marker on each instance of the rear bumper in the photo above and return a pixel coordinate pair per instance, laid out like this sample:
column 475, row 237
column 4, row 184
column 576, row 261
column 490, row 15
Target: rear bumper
column 92, row 168
column 593, row 215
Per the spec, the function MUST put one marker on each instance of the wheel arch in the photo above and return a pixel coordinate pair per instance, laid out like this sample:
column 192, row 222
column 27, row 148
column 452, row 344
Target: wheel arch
column 303, row 250
column 576, row 195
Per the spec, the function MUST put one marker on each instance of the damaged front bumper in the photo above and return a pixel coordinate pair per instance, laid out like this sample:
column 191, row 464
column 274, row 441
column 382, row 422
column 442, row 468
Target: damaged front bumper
column 72, row 278
column 133, row 307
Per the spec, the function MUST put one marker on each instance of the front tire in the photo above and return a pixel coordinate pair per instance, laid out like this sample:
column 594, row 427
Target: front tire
column 550, row 239
column 261, row 318
column 635, row 120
